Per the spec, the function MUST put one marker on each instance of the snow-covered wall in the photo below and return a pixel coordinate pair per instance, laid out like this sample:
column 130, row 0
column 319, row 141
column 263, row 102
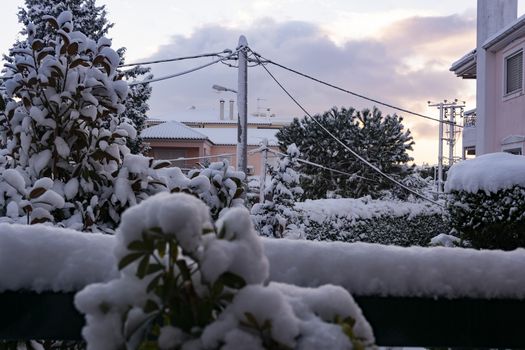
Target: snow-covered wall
column 45, row 258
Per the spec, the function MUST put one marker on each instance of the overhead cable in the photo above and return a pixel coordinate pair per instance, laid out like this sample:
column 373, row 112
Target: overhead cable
column 372, row 166
column 323, row 167
column 214, row 54
column 353, row 93
column 183, row 72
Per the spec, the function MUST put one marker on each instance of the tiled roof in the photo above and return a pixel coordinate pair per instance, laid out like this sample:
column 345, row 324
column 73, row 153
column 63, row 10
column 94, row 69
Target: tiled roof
column 172, row 130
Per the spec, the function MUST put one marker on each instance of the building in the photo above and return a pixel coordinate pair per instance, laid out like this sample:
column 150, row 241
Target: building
column 171, row 140
column 498, row 122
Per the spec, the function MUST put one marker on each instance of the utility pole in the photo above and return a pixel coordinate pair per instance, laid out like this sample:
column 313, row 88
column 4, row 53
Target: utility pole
column 264, row 166
column 242, row 106
column 446, row 109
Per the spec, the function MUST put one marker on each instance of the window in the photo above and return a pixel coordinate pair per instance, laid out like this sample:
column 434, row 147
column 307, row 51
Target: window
column 514, row 73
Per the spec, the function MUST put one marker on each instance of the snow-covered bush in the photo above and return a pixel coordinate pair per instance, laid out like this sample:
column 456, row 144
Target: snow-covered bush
column 226, row 186
column 187, row 282
column 63, row 132
column 369, row 220
column 276, row 217
column 487, row 200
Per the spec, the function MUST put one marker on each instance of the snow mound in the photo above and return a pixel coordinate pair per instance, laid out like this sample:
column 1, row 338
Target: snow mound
column 489, row 172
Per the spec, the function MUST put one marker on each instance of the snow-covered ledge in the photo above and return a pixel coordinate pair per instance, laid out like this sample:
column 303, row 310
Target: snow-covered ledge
column 44, row 258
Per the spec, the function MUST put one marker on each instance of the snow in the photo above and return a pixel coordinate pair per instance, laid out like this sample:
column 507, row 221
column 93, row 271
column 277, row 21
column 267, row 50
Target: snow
column 15, row 180
column 51, row 258
column 489, row 172
column 362, row 208
column 47, row 258
column 378, row 270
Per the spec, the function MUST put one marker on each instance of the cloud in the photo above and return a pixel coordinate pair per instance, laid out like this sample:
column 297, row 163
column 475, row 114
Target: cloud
column 406, row 66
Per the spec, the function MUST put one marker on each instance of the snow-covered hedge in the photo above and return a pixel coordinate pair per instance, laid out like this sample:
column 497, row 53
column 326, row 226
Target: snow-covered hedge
column 188, row 282
column 373, row 221
column 487, row 200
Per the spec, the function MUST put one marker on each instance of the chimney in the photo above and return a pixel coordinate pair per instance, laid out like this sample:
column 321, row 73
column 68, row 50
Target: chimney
column 231, row 109
column 221, row 109
column 493, row 15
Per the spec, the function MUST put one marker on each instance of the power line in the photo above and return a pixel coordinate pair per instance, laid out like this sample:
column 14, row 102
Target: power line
column 215, row 54
column 345, row 146
column 322, row 166
column 350, row 92
column 183, row 72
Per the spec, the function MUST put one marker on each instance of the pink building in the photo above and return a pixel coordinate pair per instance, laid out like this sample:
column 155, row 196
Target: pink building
column 498, row 123
column 172, row 140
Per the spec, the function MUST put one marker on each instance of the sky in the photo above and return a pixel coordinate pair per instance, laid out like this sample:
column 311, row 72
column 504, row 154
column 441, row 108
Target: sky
column 398, row 52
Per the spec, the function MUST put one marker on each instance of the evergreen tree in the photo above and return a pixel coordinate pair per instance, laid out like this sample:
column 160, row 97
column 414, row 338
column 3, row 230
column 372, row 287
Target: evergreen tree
column 91, row 20
column 379, row 139
column 276, row 217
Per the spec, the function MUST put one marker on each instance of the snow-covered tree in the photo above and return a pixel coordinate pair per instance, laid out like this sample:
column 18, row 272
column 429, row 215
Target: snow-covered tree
column 379, row 139
column 276, row 217
column 92, row 21
column 64, row 135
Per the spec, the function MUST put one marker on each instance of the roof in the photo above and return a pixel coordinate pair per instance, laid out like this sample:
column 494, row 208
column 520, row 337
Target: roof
column 465, row 67
column 506, row 35
column 172, row 130
column 228, row 136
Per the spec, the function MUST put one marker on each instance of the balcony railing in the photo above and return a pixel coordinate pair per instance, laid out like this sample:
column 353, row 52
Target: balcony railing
column 469, row 121
column 396, row 321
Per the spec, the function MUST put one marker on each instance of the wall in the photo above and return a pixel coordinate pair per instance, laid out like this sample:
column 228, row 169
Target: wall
column 509, row 111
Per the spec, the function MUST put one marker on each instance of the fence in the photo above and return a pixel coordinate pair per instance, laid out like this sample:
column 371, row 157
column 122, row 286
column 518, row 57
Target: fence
column 422, row 322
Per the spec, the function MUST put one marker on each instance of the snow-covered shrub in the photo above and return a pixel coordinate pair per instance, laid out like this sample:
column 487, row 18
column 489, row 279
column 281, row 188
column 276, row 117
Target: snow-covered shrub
column 276, row 217
column 226, row 189
column 63, row 121
column 487, row 200
column 187, row 282
column 373, row 221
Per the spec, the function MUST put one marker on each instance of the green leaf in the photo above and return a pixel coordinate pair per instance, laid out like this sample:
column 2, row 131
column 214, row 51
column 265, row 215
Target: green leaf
column 152, row 268
column 238, row 193
column 153, row 283
column 39, row 221
column 251, row 319
column 217, row 288
column 232, row 280
column 142, row 269
column 37, row 192
column 136, row 245
column 128, row 259
column 161, row 165
column 184, row 270
column 150, row 306
column 161, row 248
column 37, row 45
